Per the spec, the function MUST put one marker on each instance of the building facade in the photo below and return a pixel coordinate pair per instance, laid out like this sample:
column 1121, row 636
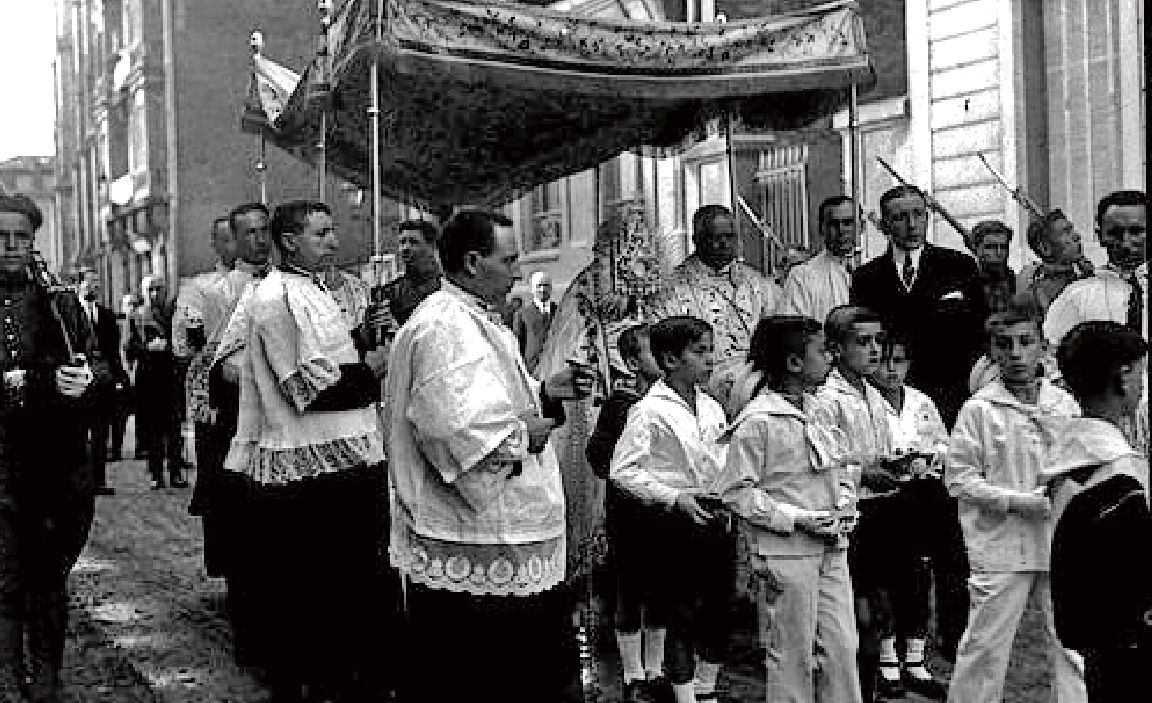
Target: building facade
column 150, row 95
column 1050, row 92
column 35, row 176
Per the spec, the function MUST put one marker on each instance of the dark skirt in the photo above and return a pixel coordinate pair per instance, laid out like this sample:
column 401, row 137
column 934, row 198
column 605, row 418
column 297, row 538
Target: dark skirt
column 315, row 602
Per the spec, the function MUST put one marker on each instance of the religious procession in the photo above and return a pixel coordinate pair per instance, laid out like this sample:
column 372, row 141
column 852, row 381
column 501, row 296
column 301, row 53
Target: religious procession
column 597, row 352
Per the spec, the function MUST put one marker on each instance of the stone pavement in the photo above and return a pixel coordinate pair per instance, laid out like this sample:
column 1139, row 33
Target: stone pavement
column 147, row 625
column 142, row 599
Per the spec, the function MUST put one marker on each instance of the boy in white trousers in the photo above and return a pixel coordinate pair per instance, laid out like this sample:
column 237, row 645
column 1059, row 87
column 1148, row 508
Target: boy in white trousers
column 998, row 447
column 784, row 479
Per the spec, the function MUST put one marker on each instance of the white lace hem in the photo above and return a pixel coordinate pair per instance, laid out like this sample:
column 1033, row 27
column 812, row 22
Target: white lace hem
column 481, row 570
column 273, row 466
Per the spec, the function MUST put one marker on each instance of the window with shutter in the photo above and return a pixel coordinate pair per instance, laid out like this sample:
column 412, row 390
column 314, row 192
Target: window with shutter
column 782, row 177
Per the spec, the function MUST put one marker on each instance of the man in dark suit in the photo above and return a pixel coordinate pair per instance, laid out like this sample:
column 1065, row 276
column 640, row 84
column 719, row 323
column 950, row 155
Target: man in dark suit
column 105, row 331
column 930, row 295
column 532, row 320
column 159, row 393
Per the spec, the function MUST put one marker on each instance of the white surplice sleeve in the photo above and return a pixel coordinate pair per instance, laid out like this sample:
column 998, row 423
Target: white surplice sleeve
column 462, row 412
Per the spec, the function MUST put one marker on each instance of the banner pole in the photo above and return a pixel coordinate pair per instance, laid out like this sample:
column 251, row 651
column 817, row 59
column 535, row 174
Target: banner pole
column 733, row 188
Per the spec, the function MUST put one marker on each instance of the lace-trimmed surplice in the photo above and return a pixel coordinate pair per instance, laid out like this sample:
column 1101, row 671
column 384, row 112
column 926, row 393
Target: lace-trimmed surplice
column 473, row 511
column 297, row 340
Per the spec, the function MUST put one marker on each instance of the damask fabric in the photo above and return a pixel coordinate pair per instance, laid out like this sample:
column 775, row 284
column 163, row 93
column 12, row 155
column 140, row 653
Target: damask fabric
column 525, row 95
column 732, row 300
column 611, row 294
column 352, row 298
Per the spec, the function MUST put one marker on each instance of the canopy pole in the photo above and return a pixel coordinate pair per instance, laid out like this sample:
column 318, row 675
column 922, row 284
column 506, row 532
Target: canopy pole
column 374, row 125
column 321, row 159
column 323, row 64
column 256, row 44
column 262, row 168
column 854, row 150
column 733, row 188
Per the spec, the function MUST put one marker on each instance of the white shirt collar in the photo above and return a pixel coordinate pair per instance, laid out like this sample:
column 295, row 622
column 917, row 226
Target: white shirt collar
column 898, row 258
column 899, row 255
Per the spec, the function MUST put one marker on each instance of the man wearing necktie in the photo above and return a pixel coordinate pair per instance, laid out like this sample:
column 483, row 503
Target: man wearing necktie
column 106, row 333
column 931, row 294
column 158, row 395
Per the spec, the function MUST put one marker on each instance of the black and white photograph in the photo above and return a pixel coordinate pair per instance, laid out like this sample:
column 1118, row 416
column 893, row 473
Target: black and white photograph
column 574, row 351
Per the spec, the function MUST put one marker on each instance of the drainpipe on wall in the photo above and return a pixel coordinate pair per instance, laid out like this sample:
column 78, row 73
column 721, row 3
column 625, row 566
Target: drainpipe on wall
column 170, row 142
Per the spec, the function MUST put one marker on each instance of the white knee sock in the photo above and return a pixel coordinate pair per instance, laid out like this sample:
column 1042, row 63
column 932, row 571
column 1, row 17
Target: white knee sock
column 629, row 644
column 914, row 659
column 684, row 692
column 889, row 661
column 706, row 674
column 654, row 651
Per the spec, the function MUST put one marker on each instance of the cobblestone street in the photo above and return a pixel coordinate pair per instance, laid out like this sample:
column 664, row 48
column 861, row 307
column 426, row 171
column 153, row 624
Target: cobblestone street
column 147, row 625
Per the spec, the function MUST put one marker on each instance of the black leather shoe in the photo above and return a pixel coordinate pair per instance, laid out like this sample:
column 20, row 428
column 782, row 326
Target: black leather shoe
column 157, row 484
column 887, row 688
column 633, row 692
column 930, row 687
column 178, row 482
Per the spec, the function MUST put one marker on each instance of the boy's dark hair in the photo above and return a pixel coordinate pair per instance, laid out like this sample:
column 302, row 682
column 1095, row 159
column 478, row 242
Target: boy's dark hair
column 841, row 318
column 1039, row 228
column 892, row 340
column 468, row 231
column 775, row 339
column 244, row 209
column 1022, row 308
column 1120, row 198
column 629, row 342
column 674, row 334
column 985, row 228
column 291, row 217
column 1092, row 354
column 426, row 229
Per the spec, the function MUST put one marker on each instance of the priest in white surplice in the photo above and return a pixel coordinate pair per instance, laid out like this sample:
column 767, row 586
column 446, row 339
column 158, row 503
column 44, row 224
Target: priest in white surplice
column 814, row 288
column 478, row 523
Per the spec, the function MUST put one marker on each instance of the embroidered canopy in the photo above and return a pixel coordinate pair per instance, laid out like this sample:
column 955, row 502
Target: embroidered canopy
column 482, row 101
